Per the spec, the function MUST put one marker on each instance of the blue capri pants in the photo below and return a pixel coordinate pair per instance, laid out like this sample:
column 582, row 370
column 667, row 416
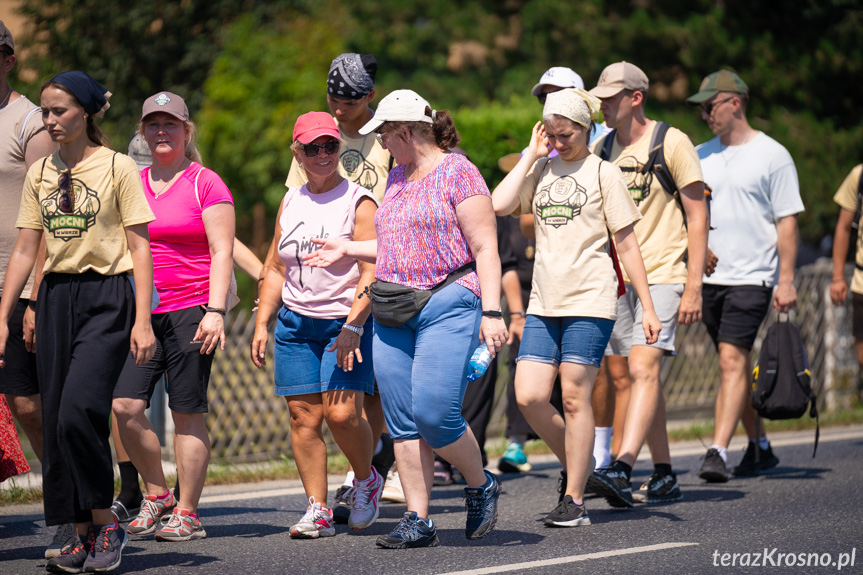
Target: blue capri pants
column 421, row 367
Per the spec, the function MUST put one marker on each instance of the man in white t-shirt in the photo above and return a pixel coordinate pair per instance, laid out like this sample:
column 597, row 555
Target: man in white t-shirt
column 672, row 236
column 756, row 199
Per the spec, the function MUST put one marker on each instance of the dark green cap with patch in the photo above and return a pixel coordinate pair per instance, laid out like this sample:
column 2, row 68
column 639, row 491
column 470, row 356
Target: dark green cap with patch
column 722, row 81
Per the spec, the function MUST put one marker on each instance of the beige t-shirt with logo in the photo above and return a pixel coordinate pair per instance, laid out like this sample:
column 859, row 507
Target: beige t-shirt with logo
column 661, row 233
column 93, row 236
column 20, row 120
column 361, row 160
column 846, row 197
column 574, row 206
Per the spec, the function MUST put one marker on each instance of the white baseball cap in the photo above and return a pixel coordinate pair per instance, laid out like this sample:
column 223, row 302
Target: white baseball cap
column 399, row 106
column 560, row 77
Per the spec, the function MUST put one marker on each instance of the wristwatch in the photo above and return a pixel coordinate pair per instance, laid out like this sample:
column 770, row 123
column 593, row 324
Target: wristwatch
column 356, row 329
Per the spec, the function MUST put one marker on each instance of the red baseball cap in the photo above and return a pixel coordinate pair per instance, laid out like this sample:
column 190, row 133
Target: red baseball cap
column 313, row 125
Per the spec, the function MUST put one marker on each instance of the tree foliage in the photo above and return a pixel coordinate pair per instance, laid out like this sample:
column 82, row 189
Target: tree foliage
column 250, row 67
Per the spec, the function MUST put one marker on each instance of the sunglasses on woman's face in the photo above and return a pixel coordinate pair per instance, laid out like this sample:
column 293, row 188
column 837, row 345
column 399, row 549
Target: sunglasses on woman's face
column 66, row 202
column 329, row 148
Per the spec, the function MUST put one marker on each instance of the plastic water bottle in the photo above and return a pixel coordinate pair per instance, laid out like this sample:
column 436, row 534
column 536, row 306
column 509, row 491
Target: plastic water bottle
column 479, row 362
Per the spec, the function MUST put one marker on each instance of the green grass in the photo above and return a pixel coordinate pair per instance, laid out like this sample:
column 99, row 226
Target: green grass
column 286, row 468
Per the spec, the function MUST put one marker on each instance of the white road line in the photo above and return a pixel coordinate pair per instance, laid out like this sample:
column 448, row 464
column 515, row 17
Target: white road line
column 570, row 559
column 252, row 495
column 800, row 438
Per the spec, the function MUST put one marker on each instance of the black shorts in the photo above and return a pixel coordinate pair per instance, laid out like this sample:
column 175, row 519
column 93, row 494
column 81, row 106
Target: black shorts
column 857, row 316
column 187, row 371
column 19, row 375
column 733, row 314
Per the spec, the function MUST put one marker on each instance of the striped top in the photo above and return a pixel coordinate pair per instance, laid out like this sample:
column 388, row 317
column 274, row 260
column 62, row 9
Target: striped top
column 420, row 241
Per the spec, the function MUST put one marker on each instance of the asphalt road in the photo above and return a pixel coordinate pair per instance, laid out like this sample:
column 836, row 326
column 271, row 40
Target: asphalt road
column 804, row 511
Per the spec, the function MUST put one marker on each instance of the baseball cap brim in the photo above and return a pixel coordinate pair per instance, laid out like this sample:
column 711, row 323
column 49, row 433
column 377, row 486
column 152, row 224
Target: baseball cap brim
column 605, row 91
column 537, row 90
column 371, row 126
column 316, row 133
column 508, row 162
column 701, row 96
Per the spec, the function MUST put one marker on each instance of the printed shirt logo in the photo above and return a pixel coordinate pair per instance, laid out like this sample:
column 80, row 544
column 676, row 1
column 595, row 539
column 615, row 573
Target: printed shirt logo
column 301, row 246
column 560, row 201
column 72, row 225
column 162, row 99
column 358, row 170
column 637, row 182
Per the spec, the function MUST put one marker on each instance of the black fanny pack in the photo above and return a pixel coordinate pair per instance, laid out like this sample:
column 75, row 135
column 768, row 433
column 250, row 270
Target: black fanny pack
column 394, row 305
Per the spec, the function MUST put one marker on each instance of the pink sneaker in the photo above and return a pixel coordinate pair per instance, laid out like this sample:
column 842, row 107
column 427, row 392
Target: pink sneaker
column 317, row 522
column 152, row 509
column 364, row 498
column 181, row 526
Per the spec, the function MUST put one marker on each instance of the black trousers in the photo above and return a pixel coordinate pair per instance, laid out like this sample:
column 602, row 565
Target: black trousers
column 83, row 323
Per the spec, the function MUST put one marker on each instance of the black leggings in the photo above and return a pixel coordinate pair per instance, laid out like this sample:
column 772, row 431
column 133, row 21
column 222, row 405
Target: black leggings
column 83, row 322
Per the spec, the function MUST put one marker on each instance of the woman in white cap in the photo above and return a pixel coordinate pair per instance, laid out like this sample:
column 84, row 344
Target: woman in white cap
column 435, row 231
column 191, row 240
column 577, row 202
column 323, row 337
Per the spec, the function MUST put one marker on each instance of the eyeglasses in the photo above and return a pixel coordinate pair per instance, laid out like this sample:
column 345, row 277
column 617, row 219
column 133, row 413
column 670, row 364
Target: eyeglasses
column 708, row 107
column 66, row 201
column 329, row 148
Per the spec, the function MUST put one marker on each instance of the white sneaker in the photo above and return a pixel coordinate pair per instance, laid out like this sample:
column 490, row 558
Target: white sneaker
column 393, row 489
column 364, row 497
column 317, row 522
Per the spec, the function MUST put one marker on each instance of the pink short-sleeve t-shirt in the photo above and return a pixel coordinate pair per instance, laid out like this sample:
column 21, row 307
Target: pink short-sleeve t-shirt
column 181, row 252
column 420, row 241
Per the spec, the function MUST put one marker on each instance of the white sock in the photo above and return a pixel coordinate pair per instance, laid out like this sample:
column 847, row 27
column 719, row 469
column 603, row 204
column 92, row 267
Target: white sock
column 379, row 447
column 763, row 443
column 349, row 479
column 723, row 452
column 520, row 439
column 602, row 447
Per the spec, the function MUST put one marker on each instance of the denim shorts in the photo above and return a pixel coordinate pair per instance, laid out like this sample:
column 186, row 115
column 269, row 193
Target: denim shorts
column 552, row 340
column 303, row 364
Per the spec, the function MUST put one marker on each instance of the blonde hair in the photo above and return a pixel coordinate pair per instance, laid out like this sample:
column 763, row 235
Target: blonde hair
column 191, row 149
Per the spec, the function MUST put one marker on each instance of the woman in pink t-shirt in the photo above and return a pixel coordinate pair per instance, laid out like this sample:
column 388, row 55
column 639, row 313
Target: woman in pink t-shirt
column 323, row 333
column 192, row 240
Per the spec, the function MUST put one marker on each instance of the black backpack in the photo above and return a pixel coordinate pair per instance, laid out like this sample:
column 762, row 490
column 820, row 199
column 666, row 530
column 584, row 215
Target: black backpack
column 656, row 164
column 781, row 381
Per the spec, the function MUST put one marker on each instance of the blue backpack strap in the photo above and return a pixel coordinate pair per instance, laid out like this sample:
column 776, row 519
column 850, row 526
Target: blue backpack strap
column 607, row 143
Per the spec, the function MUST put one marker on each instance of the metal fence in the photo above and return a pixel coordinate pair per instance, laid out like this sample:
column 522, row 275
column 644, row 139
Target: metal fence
column 248, row 422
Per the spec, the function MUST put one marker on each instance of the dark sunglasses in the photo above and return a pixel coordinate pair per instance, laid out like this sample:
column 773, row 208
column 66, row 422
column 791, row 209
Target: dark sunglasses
column 542, row 98
column 708, row 107
column 66, row 202
column 329, row 148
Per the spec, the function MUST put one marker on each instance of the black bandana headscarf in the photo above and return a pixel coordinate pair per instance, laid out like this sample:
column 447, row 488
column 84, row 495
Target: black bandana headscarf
column 352, row 76
column 92, row 95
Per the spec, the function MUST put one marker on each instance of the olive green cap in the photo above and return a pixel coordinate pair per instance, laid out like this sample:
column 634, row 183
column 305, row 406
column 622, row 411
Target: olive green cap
column 722, row 81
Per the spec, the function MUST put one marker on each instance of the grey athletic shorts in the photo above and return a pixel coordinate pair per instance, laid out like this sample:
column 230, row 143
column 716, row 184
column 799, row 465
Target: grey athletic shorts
column 627, row 329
